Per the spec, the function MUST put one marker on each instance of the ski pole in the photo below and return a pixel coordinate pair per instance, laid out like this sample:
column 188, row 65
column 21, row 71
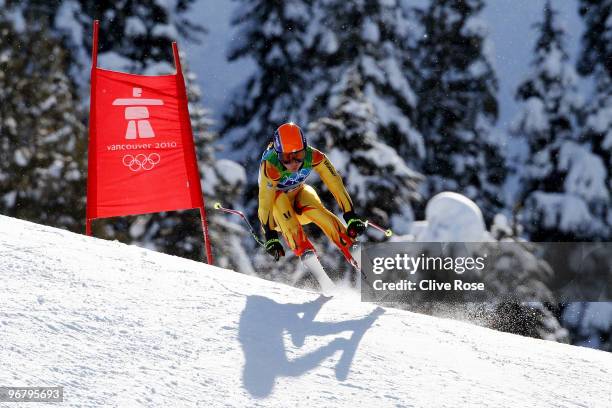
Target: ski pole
column 387, row 232
column 219, row 207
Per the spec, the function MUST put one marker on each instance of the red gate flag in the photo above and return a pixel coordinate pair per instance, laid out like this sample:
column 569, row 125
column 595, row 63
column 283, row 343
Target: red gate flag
column 141, row 151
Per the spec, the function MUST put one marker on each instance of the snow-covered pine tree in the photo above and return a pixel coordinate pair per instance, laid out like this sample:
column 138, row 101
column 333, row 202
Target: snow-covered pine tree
column 590, row 324
column 596, row 60
column 457, row 105
column 42, row 136
column 381, row 185
column 563, row 181
column 364, row 51
column 374, row 40
column 134, row 36
column 273, row 34
column 596, row 53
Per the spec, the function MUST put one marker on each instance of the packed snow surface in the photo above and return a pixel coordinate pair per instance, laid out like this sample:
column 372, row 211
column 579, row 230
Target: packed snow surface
column 118, row 325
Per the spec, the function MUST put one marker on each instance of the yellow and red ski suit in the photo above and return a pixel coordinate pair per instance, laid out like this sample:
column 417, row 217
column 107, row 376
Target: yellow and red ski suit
column 286, row 202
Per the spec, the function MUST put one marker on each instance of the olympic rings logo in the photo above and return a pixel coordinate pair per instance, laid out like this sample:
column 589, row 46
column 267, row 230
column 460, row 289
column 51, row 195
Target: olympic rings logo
column 141, row 161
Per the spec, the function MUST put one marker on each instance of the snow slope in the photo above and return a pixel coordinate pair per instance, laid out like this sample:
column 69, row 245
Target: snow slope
column 117, row 325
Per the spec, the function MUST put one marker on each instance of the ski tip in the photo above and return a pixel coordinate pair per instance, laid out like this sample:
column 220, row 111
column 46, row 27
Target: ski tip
column 325, row 296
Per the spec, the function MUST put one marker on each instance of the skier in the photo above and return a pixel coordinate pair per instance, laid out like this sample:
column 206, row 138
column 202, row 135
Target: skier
column 286, row 202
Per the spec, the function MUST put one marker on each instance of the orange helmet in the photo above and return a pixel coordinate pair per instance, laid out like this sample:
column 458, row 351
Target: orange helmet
column 289, row 138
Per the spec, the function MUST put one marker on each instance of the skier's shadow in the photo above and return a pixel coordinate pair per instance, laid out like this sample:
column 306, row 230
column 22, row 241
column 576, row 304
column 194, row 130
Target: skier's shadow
column 263, row 323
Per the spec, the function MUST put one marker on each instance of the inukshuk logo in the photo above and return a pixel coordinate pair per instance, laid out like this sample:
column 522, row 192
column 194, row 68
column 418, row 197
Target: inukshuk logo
column 137, row 114
column 139, row 127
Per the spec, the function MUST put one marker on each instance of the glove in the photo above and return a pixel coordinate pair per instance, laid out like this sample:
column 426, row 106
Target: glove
column 274, row 248
column 273, row 245
column 354, row 225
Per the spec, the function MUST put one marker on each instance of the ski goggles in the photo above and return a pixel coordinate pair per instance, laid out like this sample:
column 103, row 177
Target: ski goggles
column 288, row 158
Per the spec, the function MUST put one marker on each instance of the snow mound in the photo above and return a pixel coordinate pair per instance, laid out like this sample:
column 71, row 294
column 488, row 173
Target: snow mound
column 118, row 325
column 451, row 217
